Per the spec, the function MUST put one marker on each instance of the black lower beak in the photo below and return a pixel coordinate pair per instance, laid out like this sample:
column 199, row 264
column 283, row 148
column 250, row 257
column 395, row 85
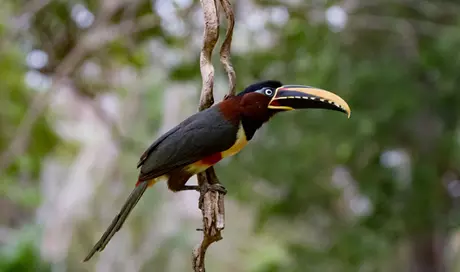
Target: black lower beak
column 292, row 97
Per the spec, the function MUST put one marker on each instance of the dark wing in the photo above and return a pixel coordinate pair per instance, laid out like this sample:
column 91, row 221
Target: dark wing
column 155, row 144
column 164, row 136
column 204, row 134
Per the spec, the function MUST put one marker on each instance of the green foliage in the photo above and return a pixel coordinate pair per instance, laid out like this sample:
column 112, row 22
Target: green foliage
column 15, row 100
column 25, row 257
column 23, row 254
column 18, row 182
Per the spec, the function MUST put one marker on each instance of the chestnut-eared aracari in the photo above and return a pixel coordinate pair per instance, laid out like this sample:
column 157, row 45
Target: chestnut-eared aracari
column 206, row 137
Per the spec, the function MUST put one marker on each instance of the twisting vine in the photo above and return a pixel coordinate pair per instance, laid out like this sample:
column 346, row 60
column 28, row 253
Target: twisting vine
column 212, row 201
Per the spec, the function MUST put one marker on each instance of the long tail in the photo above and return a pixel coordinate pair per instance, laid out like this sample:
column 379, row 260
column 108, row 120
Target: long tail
column 118, row 221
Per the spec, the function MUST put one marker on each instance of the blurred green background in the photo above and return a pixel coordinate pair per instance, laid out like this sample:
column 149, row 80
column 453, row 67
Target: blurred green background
column 85, row 86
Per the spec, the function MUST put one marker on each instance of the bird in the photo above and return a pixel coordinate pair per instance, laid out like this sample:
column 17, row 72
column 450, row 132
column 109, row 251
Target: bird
column 206, row 137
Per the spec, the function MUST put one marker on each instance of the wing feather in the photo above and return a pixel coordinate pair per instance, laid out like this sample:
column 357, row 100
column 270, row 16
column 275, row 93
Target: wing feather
column 203, row 134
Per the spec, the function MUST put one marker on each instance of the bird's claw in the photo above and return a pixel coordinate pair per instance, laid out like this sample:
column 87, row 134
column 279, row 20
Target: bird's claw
column 217, row 187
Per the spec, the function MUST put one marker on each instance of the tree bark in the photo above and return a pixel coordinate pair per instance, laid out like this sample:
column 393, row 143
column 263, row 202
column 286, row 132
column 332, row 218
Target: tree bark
column 211, row 202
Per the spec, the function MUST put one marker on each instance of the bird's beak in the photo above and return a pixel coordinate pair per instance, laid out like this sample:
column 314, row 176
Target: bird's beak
column 290, row 97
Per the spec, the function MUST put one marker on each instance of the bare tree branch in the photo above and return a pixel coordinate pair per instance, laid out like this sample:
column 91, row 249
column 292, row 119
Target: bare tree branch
column 212, row 201
column 210, row 37
column 212, row 208
column 226, row 46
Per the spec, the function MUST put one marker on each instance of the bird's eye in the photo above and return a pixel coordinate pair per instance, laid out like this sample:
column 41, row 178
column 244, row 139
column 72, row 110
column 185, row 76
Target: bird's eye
column 268, row 92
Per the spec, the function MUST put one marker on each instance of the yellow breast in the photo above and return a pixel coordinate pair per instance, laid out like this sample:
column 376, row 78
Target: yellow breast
column 241, row 142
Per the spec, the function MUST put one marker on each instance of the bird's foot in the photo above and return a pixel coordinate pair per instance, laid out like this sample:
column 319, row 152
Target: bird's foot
column 217, row 187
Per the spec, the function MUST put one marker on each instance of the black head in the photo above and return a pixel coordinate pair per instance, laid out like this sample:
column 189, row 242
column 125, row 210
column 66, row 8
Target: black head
column 265, row 98
column 256, row 98
column 260, row 101
column 272, row 84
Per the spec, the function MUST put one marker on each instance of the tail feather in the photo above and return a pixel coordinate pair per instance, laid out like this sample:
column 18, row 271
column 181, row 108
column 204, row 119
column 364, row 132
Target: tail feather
column 118, row 221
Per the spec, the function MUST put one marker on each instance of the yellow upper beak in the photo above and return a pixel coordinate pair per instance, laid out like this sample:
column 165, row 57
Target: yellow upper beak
column 290, row 97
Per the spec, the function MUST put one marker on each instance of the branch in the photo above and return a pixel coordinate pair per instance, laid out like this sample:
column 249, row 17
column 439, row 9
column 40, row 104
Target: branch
column 213, row 211
column 212, row 201
column 211, row 35
column 209, row 201
column 226, row 46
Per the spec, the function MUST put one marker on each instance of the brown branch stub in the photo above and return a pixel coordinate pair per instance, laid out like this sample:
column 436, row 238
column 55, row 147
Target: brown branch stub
column 212, row 201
